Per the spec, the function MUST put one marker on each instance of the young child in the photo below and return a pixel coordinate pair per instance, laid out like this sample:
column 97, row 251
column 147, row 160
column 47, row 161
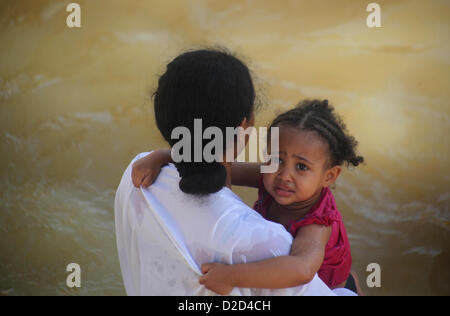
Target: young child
column 313, row 146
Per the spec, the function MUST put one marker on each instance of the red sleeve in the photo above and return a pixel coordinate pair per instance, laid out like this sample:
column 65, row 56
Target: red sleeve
column 264, row 199
column 323, row 213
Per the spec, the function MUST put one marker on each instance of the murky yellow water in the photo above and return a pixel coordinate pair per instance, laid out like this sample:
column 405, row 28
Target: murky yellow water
column 74, row 109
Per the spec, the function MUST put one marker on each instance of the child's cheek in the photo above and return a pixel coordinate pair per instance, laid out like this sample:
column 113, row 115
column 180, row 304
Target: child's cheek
column 268, row 180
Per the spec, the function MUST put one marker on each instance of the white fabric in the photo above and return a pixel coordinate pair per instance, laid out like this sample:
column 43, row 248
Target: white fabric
column 340, row 291
column 164, row 236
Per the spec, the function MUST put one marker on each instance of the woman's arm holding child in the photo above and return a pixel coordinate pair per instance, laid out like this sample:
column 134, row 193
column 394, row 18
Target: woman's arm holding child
column 307, row 253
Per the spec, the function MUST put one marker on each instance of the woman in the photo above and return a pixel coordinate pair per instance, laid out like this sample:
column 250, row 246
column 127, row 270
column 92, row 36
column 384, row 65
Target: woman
column 189, row 216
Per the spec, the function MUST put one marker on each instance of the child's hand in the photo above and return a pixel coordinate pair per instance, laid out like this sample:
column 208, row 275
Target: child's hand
column 146, row 170
column 216, row 278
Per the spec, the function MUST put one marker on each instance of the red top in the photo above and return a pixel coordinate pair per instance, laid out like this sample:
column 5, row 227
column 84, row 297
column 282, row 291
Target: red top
column 337, row 262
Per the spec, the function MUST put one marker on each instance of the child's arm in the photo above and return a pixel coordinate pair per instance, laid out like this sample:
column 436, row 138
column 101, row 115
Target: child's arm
column 245, row 174
column 146, row 170
column 307, row 253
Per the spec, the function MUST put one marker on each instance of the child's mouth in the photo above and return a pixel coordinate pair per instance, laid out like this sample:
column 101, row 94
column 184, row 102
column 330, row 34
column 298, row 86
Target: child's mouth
column 283, row 191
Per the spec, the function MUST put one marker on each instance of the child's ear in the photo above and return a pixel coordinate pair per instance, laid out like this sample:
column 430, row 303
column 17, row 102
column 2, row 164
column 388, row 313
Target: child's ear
column 331, row 175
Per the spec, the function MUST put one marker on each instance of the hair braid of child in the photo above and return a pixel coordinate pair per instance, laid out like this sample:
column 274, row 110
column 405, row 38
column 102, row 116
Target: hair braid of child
column 318, row 116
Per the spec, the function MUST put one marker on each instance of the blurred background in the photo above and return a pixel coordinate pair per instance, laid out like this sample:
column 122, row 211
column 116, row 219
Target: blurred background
column 75, row 108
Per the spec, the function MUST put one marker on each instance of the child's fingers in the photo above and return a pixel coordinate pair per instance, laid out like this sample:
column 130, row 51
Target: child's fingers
column 136, row 177
column 202, row 280
column 206, row 267
column 148, row 180
column 137, row 180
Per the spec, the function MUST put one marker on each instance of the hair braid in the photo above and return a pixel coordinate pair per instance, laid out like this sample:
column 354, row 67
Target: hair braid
column 319, row 116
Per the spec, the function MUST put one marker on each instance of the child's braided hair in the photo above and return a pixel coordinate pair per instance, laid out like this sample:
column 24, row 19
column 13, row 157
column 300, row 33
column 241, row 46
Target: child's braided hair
column 319, row 116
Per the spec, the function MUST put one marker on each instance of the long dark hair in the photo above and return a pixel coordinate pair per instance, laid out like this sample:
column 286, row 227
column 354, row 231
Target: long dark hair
column 208, row 84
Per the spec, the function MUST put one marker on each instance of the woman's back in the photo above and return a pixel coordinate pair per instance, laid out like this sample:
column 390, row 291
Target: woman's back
column 164, row 235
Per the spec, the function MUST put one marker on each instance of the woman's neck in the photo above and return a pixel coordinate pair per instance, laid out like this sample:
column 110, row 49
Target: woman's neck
column 227, row 166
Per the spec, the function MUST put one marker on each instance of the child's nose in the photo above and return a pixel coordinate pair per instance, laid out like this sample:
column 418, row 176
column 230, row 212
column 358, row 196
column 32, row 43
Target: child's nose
column 285, row 174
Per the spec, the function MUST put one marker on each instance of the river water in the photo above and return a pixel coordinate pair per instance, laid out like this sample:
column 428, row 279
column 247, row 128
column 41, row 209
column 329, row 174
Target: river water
column 75, row 109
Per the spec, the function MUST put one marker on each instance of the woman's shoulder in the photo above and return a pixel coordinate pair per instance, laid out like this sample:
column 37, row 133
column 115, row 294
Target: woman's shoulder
column 256, row 238
column 249, row 231
column 239, row 212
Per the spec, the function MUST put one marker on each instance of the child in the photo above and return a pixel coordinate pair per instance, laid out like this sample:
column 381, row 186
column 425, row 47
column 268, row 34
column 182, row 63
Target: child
column 313, row 145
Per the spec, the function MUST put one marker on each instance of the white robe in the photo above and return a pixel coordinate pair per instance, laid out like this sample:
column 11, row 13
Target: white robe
column 164, row 236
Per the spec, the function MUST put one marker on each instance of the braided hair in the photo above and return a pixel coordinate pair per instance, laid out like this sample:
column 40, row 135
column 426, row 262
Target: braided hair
column 207, row 84
column 318, row 116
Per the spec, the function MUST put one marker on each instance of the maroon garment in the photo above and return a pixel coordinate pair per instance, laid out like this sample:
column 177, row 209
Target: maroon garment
column 337, row 262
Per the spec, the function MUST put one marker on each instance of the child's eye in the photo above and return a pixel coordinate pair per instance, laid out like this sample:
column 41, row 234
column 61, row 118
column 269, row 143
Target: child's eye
column 302, row 167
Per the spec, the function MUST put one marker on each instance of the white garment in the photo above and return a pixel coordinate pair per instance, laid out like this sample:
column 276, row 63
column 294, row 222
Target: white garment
column 164, row 236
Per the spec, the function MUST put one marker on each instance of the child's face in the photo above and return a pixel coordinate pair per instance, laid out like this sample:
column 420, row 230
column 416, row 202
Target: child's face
column 302, row 171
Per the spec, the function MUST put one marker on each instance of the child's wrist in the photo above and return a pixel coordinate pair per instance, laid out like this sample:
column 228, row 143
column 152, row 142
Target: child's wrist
column 232, row 276
column 166, row 155
column 162, row 155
